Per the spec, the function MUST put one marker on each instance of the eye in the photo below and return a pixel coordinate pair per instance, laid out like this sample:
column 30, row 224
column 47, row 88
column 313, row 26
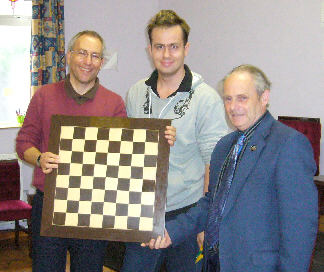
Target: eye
column 174, row 46
column 227, row 99
column 242, row 98
column 83, row 53
column 159, row 46
column 96, row 56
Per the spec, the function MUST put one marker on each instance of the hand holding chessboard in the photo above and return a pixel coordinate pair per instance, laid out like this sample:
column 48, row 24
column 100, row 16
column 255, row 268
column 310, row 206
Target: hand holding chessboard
column 111, row 181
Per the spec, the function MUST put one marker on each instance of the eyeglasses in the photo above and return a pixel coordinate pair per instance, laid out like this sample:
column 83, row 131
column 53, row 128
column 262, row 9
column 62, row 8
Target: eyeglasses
column 173, row 47
column 83, row 54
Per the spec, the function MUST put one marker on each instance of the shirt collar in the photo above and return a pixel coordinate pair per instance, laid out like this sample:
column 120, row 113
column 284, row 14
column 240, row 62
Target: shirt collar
column 184, row 86
column 80, row 99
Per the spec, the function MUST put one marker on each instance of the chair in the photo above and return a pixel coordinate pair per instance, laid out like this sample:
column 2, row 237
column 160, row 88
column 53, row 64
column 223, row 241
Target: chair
column 311, row 128
column 11, row 207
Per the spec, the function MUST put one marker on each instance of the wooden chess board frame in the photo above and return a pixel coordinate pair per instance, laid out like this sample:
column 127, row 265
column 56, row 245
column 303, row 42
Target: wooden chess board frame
column 47, row 226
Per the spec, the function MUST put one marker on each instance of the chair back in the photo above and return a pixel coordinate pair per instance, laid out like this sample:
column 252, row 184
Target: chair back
column 311, row 128
column 9, row 180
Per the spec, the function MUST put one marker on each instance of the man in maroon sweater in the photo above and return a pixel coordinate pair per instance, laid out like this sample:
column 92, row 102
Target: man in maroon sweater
column 79, row 94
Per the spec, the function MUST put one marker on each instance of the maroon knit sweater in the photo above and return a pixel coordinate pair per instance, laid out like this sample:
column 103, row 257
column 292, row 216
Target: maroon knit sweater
column 53, row 99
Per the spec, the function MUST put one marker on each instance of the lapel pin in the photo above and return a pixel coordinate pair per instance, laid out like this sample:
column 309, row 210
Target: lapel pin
column 253, row 148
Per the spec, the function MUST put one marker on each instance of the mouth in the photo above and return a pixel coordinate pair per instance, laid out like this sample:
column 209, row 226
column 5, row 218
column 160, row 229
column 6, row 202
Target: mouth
column 166, row 63
column 85, row 69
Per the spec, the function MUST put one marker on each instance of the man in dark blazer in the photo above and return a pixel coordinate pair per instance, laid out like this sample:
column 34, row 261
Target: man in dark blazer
column 267, row 219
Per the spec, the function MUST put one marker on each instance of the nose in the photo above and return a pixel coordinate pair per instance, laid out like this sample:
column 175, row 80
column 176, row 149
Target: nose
column 88, row 59
column 166, row 52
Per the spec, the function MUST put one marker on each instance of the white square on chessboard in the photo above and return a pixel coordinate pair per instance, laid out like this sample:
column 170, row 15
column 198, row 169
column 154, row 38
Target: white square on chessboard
column 115, row 134
column 109, row 208
column 62, row 181
column 134, row 210
column 151, row 148
column 122, row 197
column 71, row 219
column 139, row 135
column 135, row 185
column 113, row 159
column 73, row 194
column 89, row 157
column 67, row 132
column 91, row 133
column 124, row 172
column 102, row 146
column 86, row 182
column 78, row 145
column 147, row 198
column 120, row 222
column 60, row 205
column 111, row 184
column 149, row 173
column 146, row 224
column 138, row 160
column 96, row 220
column 98, row 195
column 76, row 169
column 84, row 207
column 65, row 156
column 126, row 147
column 100, row 170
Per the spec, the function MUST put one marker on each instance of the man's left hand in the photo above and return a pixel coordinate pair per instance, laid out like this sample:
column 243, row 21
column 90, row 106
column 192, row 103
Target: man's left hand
column 159, row 242
column 170, row 135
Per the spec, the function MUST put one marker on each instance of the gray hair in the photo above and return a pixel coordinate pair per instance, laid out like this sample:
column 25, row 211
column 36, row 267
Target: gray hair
column 90, row 33
column 261, row 82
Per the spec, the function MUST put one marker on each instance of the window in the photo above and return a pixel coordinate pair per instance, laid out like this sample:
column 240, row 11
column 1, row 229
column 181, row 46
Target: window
column 14, row 61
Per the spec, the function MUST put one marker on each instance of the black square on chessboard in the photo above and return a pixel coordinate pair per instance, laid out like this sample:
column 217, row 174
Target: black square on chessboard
column 123, row 184
column 99, row 183
column 125, row 159
column 103, row 134
column 112, row 171
column 114, row 147
column 127, row 135
column 72, row 206
column 87, row 169
column 74, row 182
column 152, row 136
column 79, row 133
column 85, row 194
column 59, row 218
column 121, row 209
column 147, row 211
column 108, row 221
column 66, row 144
column 150, row 160
column 110, row 196
column 148, row 185
column 97, row 208
column 83, row 220
column 61, row 193
column 133, row 223
column 63, row 169
column 101, row 158
column 136, row 172
column 77, row 157
column 135, row 197
column 138, row 148
column 90, row 145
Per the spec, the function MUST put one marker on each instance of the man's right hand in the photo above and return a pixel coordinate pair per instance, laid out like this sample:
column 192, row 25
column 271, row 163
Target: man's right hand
column 159, row 242
column 48, row 161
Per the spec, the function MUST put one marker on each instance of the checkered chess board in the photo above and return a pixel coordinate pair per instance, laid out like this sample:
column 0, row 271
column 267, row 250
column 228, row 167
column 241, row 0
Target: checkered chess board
column 107, row 180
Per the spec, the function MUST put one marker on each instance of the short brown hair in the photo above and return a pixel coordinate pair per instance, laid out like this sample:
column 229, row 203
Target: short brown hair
column 168, row 18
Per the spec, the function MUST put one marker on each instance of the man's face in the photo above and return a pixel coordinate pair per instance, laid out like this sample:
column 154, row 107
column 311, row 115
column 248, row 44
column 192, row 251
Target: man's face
column 168, row 50
column 242, row 103
column 84, row 69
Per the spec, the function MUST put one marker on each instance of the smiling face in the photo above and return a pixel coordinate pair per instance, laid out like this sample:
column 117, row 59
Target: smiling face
column 168, row 50
column 84, row 70
column 242, row 103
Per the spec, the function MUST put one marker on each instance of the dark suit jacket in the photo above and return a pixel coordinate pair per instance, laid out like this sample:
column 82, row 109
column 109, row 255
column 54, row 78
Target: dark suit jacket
column 270, row 218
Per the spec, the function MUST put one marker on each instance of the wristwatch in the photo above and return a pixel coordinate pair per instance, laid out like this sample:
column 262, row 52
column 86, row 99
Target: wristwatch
column 38, row 160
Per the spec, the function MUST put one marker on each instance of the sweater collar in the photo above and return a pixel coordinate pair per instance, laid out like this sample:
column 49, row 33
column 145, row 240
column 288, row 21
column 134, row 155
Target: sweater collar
column 80, row 99
column 184, row 86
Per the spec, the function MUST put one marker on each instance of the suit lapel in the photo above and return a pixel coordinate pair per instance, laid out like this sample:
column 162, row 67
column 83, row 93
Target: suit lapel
column 249, row 160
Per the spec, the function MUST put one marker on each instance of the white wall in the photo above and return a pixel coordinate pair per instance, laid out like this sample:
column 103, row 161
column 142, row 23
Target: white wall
column 284, row 38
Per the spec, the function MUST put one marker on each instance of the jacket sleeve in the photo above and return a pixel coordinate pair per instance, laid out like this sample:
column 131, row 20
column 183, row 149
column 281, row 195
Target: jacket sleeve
column 298, row 206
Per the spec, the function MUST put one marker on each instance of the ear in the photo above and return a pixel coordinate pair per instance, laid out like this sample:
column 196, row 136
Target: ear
column 187, row 48
column 265, row 98
column 68, row 56
column 149, row 48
